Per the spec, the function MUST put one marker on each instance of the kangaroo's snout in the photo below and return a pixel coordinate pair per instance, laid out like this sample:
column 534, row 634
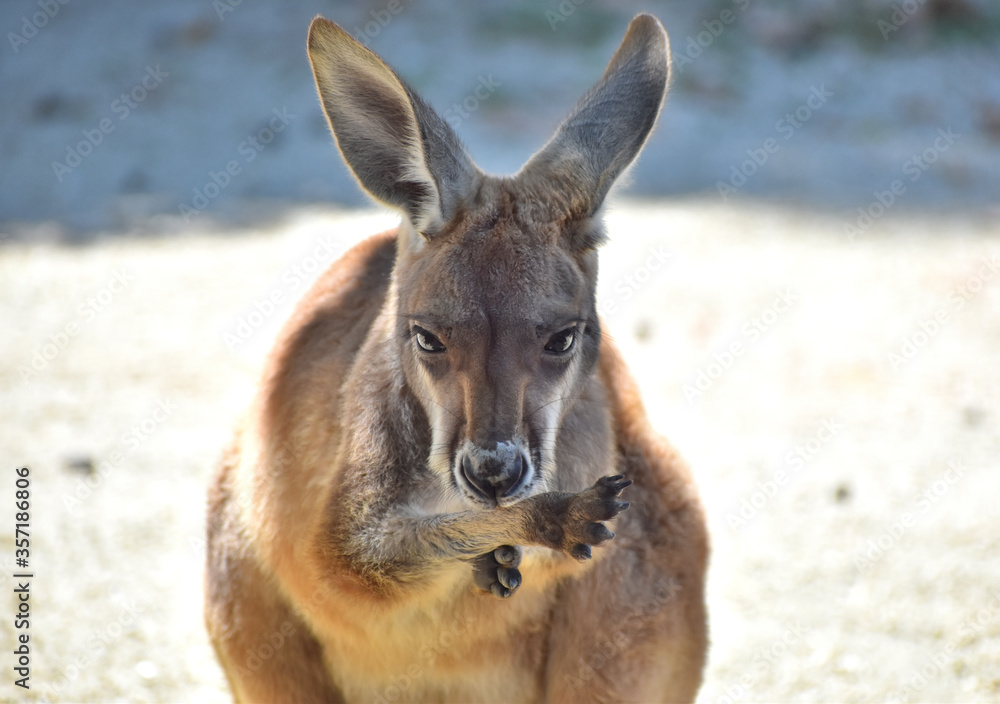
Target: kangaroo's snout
column 493, row 474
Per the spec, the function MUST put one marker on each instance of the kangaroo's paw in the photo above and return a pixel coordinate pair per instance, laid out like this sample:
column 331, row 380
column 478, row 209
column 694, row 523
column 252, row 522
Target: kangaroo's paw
column 497, row 572
column 573, row 524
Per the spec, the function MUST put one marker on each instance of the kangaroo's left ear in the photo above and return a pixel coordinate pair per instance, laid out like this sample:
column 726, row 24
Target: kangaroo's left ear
column 610, row 124
column 399, row 149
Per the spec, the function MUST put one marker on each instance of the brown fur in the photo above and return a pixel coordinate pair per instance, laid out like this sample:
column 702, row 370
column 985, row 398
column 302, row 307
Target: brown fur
column 351, row 555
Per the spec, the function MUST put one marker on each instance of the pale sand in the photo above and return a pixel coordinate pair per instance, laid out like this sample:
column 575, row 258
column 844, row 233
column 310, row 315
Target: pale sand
column 116, row 605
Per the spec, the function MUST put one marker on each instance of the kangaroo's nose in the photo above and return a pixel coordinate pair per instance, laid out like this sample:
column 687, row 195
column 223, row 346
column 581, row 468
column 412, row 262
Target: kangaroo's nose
column 493, row 473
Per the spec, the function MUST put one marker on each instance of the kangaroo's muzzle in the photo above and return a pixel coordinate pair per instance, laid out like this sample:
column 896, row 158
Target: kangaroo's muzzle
column 493, row 475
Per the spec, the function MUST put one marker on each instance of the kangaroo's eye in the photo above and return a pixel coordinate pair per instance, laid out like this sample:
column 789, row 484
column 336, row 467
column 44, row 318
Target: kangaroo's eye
column 427, row 341
column 562, row 342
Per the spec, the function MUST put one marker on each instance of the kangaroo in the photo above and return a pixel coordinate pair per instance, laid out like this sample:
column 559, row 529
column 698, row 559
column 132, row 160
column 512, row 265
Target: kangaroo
column 425, row 501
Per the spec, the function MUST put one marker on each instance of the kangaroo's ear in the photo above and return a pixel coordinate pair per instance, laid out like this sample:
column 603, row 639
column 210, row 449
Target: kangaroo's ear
column 400, row 150
column 610, row 124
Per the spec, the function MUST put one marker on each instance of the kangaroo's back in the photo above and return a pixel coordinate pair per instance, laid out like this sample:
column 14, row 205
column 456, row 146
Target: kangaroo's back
column 419, row 504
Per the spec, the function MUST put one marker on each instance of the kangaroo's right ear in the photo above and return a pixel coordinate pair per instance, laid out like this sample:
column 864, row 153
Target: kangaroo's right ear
column 610, row 124
column 400, row 150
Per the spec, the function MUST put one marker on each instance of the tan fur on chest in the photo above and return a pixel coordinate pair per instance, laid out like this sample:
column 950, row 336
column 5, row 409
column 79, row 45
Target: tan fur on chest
column 448, row 643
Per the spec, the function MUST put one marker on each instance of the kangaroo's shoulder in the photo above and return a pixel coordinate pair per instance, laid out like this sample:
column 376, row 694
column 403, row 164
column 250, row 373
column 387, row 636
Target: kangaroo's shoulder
column 352, row 285
column 330, row 322
column 340, row 307
column 652, row 461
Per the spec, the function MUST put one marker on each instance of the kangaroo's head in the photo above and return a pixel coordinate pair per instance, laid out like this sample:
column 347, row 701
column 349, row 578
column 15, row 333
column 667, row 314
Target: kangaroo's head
column 494, row 285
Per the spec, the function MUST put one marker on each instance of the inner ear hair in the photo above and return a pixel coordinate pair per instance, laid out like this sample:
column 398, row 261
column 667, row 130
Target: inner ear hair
column 401, row 152
column 607, row 129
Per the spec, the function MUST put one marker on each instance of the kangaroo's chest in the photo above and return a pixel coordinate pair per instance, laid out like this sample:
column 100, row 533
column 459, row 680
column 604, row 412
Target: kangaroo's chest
column 471, row 647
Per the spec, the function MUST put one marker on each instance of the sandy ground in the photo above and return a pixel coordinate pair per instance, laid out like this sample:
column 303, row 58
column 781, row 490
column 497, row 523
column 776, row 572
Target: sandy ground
column 851, row 496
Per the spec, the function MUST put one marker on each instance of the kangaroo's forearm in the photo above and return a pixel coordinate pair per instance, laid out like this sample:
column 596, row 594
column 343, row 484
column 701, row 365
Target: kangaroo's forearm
column 420, row 543
column 399, row 547
column 404, row 547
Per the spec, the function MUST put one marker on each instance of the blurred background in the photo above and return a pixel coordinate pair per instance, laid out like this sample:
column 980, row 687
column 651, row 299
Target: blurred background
column 183, row 85
column 802, row 272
